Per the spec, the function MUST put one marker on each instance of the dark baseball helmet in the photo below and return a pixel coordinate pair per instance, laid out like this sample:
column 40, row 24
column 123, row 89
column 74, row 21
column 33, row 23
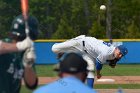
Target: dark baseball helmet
column 18, row 28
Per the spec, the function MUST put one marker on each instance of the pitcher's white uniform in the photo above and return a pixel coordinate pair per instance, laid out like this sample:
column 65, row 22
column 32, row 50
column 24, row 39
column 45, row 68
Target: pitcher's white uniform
column 90, row 48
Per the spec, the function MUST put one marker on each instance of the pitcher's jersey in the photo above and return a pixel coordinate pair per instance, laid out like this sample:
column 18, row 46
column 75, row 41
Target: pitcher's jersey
column 85, row 45
column 99, row 49
column 11, row 72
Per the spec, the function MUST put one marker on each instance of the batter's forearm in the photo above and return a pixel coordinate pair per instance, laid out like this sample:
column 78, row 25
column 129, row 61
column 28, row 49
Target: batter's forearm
column 7, row 47
column 30, row 76
column 15, row 47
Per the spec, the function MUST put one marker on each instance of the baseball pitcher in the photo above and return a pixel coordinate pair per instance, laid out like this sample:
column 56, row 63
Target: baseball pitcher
column 95, row 52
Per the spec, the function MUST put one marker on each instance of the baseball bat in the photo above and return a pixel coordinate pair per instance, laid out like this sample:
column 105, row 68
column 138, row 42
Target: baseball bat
column 24, row 8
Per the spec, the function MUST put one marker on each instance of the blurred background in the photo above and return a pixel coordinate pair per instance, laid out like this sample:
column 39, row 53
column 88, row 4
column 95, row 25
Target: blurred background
column 64, row 19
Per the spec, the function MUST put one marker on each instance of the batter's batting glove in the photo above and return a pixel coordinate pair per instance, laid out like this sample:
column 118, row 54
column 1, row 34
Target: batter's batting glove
column 29, row 57
column 23, row 45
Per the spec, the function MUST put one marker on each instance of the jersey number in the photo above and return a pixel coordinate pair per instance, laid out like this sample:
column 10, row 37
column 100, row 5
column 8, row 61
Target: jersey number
column 106, row 43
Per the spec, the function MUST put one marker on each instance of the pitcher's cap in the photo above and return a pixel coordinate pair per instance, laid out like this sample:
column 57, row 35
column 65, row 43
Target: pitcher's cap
column 123, row 49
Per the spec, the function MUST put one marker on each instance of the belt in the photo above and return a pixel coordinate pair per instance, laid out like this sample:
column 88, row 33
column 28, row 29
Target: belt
column 84, row 46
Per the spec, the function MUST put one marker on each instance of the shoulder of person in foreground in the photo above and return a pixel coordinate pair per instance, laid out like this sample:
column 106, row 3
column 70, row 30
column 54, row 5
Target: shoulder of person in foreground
column 41, row 89
column 49, row 88
column 45, row 89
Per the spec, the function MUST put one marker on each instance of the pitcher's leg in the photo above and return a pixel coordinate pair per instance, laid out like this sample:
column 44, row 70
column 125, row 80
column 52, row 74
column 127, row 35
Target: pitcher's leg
column 90, row 76
column 65, row 46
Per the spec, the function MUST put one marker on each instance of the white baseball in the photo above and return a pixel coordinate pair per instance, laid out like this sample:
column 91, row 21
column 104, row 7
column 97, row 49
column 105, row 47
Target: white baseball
column 102, row 7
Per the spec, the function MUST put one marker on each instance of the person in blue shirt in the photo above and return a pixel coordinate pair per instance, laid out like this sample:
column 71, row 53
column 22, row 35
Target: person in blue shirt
column 72, row 70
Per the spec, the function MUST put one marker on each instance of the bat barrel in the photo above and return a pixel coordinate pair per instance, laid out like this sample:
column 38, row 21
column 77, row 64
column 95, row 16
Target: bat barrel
column 24, row 7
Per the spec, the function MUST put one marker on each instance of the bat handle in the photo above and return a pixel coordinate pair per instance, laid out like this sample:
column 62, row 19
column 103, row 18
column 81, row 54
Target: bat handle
column 26, row 28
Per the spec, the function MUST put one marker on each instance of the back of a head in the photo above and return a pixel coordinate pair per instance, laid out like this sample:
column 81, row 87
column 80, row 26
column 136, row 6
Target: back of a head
column 18, row 28
column 72, row 63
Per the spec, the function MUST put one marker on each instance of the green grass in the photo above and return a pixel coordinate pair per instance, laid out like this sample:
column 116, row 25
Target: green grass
column 120, row 70
column 25, row 90
column 45, row 70
column 116, row 86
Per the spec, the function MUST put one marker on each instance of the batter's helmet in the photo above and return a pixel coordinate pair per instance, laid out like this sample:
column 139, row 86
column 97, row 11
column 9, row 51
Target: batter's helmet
column 18, row 28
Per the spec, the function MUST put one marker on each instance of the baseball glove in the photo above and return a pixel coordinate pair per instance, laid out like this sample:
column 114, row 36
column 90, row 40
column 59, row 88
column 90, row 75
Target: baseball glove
column 59, row 55
column 112, row 63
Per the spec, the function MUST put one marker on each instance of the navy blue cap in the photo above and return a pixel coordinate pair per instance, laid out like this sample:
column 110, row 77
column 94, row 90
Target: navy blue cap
column 122, row 49
column 72, row 63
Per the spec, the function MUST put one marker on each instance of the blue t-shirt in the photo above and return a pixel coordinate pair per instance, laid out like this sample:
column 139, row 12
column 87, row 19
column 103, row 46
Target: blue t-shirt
column 65, row 85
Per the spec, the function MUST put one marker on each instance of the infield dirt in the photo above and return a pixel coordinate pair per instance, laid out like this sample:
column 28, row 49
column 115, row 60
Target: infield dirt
column 118, row 80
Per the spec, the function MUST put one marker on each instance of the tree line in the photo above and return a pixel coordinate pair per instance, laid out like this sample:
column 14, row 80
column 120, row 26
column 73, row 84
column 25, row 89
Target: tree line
column 64, row 19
